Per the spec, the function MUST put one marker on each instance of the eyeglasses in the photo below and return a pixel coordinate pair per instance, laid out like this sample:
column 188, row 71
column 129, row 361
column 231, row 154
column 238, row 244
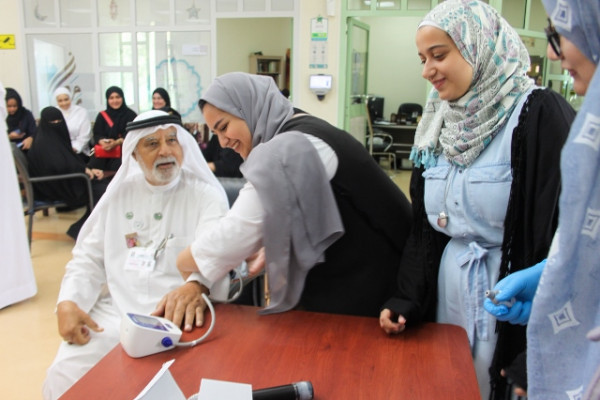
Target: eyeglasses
column 553, row 38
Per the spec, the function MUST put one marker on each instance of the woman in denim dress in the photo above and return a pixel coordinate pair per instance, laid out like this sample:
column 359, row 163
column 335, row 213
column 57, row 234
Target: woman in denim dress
column 485, row 184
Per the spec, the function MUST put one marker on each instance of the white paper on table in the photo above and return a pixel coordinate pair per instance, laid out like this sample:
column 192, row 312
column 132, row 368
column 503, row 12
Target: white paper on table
column 211, row 389
column 162, row 386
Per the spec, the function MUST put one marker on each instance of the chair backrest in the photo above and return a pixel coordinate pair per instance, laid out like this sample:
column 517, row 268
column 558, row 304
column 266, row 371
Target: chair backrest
column 23, row 174
column 409, row 112
column 232, row 187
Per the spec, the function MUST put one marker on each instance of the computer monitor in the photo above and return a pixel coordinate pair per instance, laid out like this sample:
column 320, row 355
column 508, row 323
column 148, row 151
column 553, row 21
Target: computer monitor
column 376, row 108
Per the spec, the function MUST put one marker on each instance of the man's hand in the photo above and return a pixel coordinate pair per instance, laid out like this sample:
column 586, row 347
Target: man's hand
column 388, row 325
column 256, row 262
column 74, row 324
column 183, row 305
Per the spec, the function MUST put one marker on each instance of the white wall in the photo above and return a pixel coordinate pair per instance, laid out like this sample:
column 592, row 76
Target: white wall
column 302, row 97
column 394, row 66
column 240, row 37
column 12, row 71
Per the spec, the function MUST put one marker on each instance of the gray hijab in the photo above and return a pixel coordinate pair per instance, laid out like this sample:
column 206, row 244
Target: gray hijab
column 253, row 98
column 301, row 215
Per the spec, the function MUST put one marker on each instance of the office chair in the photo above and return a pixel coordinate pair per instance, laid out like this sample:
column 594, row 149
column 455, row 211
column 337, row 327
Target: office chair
column 408, row 113
column 30, row 205
column 380, row 144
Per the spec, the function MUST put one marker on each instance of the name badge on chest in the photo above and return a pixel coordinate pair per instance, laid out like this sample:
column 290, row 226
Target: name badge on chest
column 140, row 259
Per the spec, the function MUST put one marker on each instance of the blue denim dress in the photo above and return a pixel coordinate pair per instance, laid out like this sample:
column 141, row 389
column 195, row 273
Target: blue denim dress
column 475, row 200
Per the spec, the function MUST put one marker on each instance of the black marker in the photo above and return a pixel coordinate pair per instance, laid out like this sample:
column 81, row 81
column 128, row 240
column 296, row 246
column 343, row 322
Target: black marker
column 295, row 391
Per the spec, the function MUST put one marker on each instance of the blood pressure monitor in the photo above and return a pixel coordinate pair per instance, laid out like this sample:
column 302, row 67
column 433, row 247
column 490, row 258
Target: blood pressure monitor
column 142, row 335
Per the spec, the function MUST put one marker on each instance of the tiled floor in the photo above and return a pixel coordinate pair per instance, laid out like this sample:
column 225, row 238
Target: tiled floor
column 28, row 331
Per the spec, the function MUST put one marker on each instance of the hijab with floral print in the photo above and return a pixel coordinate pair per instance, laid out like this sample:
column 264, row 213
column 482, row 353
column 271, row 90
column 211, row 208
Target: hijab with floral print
column 463, row 128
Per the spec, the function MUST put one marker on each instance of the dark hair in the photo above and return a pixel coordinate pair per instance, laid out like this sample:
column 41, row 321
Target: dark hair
column 201, row 103
column 164, row 94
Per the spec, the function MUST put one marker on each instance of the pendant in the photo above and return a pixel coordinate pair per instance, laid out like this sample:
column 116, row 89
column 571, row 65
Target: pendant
column 442, row 220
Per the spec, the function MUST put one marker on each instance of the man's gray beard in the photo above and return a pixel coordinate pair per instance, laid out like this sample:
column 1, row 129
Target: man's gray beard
column 162, row 177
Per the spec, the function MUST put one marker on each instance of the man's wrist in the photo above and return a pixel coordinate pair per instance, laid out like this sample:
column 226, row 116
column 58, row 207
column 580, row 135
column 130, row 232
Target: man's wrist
column 196, row 278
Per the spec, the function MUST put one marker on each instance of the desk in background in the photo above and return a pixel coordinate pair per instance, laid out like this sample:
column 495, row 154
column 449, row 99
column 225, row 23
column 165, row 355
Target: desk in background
column 404, row 137
column 344, row 357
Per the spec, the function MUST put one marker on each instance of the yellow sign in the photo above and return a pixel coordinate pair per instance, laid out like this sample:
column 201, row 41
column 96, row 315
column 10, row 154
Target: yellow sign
column 7, row 41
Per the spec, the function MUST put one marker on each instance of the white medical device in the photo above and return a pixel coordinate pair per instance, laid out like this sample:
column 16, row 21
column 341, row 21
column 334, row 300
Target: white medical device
column 320, row 84
column 143, row 335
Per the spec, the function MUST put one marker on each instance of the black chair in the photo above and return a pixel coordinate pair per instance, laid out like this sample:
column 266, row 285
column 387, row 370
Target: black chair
column 408, row 113
column 380, row 144
column 232, row 187
column 30, row 204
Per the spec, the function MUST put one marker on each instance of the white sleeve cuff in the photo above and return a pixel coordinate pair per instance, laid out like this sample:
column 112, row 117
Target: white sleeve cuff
column 219, row 291
column 197, row 277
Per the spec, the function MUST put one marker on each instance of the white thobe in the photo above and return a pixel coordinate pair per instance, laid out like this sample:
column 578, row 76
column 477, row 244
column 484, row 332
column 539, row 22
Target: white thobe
column 18, row 281
column 176, row 211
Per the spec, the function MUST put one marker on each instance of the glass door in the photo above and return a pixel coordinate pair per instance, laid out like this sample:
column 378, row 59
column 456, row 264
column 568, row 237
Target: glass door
column 355, row 112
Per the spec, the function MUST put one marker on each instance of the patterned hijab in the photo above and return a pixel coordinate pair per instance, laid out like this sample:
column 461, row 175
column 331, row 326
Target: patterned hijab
column 463, row 128
column 561, row 360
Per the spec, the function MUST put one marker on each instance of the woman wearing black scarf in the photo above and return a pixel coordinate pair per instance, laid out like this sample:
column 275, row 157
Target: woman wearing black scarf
column 52, row 154
column 162, row 101
column 109, row 130
column 20, row 122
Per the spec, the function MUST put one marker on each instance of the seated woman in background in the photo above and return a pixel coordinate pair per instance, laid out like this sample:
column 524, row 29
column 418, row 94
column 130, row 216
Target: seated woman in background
column 78, row 122
column 20, row 123
column 109, row 132
column 162, row 101
column 52, row 154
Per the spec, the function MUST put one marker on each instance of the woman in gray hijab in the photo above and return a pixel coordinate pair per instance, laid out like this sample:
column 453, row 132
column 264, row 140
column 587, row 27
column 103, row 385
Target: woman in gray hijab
column 332, row 223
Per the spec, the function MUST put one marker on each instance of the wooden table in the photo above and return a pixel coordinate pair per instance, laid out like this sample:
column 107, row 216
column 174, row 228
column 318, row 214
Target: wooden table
column 344, row 357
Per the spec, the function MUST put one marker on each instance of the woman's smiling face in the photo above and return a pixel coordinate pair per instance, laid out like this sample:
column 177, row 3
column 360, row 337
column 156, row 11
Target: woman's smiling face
column 233, row 132
column 443, row 65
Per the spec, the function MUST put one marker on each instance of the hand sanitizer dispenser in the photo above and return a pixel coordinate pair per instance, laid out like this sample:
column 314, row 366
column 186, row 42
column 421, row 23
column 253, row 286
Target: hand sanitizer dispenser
column 320, row 84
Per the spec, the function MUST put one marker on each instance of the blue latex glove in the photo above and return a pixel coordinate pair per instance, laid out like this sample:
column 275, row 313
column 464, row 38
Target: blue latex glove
column 519, row 288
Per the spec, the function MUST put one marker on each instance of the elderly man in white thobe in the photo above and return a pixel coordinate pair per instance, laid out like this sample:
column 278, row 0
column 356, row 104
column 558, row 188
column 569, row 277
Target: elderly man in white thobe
column 124, row 259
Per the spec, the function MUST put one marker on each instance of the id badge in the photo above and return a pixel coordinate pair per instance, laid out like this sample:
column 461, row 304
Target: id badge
column 140, row 259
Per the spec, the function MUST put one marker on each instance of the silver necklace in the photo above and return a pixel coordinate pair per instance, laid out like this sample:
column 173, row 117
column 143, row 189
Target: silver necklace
column 442, row 220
